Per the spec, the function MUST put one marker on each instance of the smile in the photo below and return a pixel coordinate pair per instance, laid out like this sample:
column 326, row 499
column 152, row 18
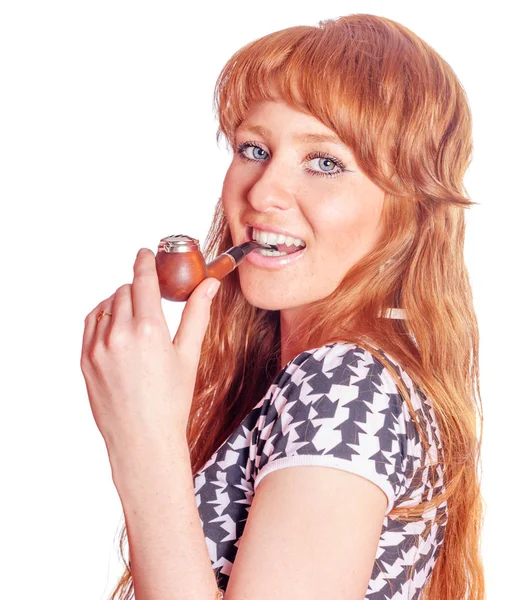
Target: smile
column 275, row 259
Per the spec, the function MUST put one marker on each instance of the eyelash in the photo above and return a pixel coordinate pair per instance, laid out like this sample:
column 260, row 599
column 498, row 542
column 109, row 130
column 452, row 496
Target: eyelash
column 241, row 147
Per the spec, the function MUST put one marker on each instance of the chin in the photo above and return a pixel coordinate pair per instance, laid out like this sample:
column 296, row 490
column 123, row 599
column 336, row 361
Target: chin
column 267, row 301
column 259, row 300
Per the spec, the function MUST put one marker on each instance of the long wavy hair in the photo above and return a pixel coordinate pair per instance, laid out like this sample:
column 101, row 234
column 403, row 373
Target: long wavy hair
column 404, row 113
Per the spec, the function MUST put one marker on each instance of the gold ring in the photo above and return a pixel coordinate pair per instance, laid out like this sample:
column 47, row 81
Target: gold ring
column 102, row 313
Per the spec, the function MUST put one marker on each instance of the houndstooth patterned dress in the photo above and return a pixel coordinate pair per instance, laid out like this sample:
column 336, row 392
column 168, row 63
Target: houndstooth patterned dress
column 336, row 406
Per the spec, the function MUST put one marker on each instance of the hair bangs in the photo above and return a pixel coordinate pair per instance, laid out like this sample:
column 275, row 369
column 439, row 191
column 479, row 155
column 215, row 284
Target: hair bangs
column 313, row 70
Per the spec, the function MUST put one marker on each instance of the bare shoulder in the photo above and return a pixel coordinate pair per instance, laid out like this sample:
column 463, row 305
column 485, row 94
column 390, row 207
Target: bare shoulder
column 312, row 532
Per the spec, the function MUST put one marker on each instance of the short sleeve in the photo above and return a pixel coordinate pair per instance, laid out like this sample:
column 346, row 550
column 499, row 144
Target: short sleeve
column 335, row 406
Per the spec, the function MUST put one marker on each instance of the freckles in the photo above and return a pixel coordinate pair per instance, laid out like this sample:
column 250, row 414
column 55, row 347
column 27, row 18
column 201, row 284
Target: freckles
column 371, row 196
column 350, row 219
column 368, row 220
column 237, row 181
column 230, row 188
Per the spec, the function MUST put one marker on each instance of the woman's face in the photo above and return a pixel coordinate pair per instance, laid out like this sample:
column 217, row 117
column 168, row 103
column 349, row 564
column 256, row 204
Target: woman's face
column 312, row 189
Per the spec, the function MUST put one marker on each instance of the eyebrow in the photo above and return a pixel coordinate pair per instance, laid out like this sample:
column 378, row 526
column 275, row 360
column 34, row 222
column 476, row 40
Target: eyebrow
column 305, row 138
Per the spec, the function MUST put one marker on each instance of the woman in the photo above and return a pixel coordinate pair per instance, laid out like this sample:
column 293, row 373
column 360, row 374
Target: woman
column 351, row 138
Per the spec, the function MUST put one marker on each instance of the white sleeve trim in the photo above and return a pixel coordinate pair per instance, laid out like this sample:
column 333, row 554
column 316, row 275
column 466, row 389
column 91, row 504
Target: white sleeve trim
column 363, row 468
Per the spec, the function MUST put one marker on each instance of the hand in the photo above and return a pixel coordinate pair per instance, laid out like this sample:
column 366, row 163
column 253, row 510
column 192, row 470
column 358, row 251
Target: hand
column 140, row 383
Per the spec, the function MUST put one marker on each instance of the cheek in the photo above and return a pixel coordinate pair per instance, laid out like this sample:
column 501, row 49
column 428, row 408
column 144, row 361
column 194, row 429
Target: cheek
column 231, row 198
column 233, row 183
column 351, row 223
column 228, row 192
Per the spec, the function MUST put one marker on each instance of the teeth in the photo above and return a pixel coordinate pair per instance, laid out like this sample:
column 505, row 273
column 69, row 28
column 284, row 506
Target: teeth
column 272, row 253
column 275, row 238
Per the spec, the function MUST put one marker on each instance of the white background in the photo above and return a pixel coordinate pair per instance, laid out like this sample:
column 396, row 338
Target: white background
column 107, row 144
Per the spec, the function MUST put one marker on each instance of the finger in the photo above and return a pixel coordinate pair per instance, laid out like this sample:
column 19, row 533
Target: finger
column 194, row 322
column 91, row 326
column 103, row 321
column 146, row 296
column 122, row 306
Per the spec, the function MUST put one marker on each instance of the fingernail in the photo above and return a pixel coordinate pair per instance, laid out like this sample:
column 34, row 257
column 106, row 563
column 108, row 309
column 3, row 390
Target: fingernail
column 213, row 289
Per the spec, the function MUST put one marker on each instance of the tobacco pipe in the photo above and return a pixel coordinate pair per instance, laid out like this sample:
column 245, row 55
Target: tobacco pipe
column 181, row 266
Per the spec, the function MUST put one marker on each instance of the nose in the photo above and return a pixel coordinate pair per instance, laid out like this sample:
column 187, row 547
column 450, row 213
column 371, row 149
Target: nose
column 271, row 190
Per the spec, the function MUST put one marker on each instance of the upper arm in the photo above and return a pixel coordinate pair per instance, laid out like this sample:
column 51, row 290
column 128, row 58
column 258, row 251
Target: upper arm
column 312, row 532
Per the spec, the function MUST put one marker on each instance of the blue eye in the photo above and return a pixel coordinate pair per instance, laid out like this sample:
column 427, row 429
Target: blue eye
column 324, row 162
column 243, row 147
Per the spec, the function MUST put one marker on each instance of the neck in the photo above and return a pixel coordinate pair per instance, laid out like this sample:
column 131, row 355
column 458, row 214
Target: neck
column 291, row 317
column 289, row 320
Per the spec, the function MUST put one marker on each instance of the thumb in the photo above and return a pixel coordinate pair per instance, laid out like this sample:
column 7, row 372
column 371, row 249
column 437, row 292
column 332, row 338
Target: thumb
column 195, row 319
